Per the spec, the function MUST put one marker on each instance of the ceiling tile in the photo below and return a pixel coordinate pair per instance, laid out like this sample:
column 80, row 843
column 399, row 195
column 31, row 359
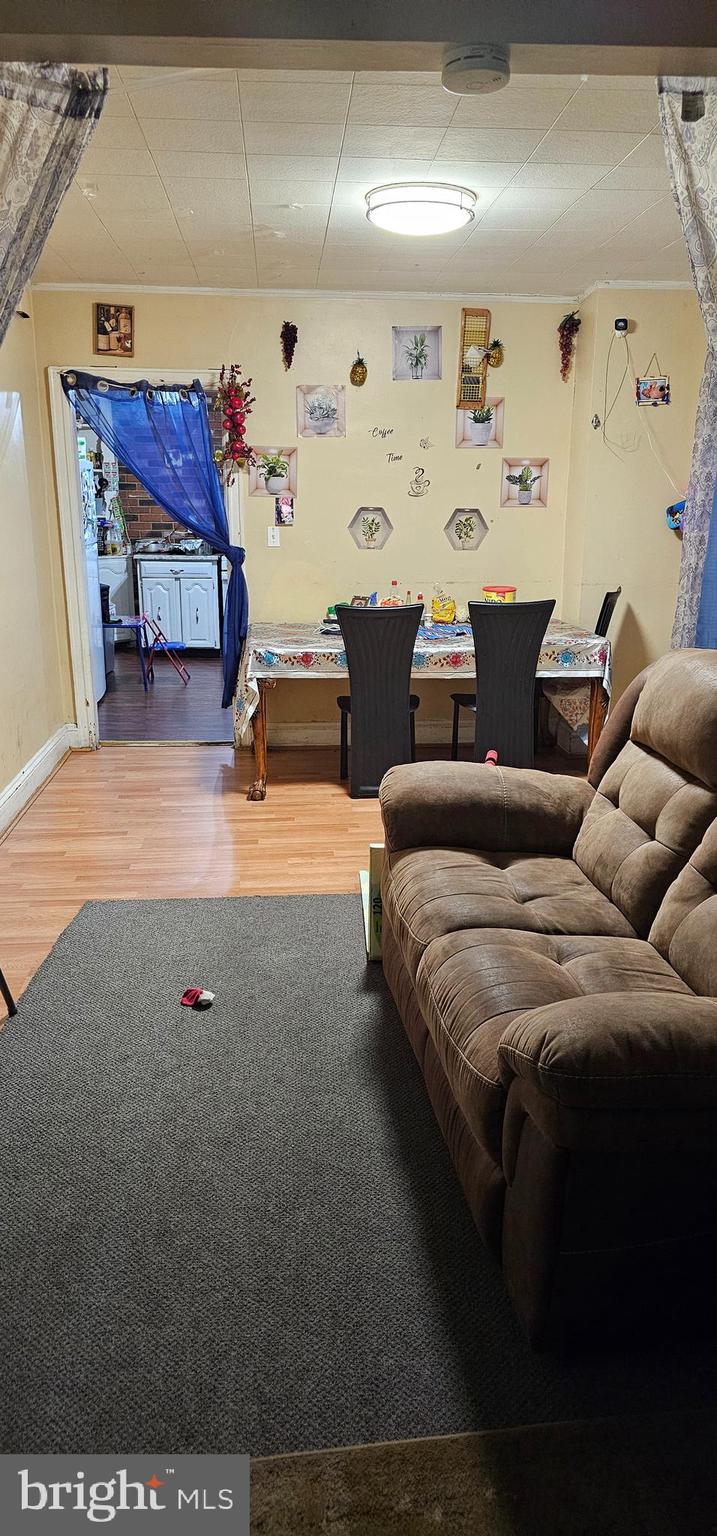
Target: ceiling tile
column 546, row 82
column 176, row 165
column 205, row 101
column 143, row 250
column 292, row 138
column 175, row 135
column 297, row 76
column 525, row 107
column 285, row 168
column 476, row 173
column 151, row 74
column 290, row 103
column 650, row 151
column 306, row 194
column 205, row 196
column 631, row 177
column 407, row 143
column 117, row 133
column 604, row 209
column 561, row 148
column 117, row 104
column 123, row 192
column 537, row 175
column 488, row 144
column 53, row 268
column 148, row 224
column 644, row 83
column 411, row 78
column 381, row 101
column 621, row 111
column 526, row 209
column 97, row 161
column 372, row 172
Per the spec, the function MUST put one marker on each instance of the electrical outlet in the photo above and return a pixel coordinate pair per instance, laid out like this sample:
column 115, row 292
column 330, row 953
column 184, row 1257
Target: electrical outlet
column 273, row 537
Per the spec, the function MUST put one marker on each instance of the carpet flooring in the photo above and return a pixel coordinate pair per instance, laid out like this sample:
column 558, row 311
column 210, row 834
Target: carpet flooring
column 240, row 1230
column 647, row 1476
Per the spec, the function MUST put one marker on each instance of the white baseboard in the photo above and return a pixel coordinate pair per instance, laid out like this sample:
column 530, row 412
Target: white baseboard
column 325, row 733
column 14, row 797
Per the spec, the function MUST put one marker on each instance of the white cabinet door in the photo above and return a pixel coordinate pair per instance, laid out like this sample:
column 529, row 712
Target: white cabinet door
column 200, row 615
column 160, row 600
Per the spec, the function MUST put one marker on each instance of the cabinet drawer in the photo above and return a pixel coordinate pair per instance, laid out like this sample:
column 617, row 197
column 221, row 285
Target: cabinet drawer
column 166, row 568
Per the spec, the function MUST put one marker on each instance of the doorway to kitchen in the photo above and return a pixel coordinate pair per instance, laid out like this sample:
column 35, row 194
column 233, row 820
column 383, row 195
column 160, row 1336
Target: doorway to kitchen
column 150, row 597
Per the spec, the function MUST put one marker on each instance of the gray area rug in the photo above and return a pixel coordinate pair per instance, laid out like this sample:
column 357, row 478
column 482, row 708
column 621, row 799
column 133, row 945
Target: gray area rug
column 240, row 1230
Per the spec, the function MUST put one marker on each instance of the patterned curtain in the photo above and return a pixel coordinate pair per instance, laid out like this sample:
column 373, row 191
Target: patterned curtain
column 47, row 116
column 691, row 150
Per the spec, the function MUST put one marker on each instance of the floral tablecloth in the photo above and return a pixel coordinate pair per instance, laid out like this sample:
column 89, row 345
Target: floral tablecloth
column 302, row 651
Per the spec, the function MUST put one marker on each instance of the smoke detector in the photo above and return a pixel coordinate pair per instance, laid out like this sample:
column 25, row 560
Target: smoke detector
column 474, row 69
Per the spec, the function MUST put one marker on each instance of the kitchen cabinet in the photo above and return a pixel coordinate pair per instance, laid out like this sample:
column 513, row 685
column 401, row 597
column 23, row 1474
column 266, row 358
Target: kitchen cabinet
column 182, row 597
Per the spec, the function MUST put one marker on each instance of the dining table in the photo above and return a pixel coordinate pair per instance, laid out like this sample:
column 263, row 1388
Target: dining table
column 574, row 658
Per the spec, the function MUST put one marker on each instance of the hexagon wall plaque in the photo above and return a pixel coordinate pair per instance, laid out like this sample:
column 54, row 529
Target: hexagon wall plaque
column 370, row 528
column 466, row 528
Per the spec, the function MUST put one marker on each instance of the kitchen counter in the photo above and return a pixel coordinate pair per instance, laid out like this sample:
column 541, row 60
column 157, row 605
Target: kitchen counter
column 175, row 554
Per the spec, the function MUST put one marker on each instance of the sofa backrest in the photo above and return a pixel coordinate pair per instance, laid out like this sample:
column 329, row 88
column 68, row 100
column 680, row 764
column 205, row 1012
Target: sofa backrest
column 658, row 798
column 685, row 929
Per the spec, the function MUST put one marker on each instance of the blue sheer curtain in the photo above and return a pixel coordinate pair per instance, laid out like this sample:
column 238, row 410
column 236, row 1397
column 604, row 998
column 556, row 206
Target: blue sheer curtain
column 162, row 434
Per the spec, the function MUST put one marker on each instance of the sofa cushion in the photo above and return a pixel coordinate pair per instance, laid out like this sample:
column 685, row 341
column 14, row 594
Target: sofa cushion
column 471, row 985
column 646, row 819
column 676, row 713
column 430, row 892
column 685, row 929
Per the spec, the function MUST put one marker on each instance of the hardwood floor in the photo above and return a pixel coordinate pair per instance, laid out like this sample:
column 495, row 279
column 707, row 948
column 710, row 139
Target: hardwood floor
column 169, row 711
column 134, row 821
column 166, row 820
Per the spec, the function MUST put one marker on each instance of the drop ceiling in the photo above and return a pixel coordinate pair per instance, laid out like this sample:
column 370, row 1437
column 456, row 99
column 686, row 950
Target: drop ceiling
column 244, row 179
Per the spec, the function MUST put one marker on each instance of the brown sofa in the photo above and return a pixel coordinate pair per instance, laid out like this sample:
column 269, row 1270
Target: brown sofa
column 551, row 944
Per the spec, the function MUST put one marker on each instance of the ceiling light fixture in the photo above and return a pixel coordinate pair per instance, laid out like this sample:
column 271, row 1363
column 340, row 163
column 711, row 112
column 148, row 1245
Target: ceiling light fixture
column 420, row 207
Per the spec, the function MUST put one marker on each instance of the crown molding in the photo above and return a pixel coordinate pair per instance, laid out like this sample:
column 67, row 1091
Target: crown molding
column 637, row 283
column 464, row 295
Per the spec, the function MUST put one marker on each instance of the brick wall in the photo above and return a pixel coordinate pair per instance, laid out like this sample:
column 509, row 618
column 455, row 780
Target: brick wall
column 144, row 519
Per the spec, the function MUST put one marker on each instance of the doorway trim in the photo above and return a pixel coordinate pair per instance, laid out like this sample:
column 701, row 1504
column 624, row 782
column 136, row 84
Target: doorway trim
column 69, row 501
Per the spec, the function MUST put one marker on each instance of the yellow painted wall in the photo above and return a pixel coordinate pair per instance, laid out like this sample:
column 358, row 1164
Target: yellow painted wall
column 618, row 491
column 318, row 562
column 34, row 658
column 604, row 523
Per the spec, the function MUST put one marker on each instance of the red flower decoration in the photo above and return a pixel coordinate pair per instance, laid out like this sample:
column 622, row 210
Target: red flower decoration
column 234, row 400
column 456, row 659
column 306, row 658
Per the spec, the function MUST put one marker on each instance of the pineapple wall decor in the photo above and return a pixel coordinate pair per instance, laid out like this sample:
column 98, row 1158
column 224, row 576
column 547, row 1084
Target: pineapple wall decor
column 359, row 371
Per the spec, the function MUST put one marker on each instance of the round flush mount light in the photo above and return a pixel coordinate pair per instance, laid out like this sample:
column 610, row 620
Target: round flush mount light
column 420, row 207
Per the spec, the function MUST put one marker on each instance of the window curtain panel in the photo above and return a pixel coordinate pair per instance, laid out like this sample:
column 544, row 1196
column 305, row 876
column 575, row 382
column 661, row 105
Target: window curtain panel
column 48, row 114
column 691, row 150
column 163, row 435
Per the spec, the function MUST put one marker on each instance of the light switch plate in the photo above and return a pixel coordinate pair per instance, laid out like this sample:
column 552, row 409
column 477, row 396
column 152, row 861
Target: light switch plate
column 273, row 537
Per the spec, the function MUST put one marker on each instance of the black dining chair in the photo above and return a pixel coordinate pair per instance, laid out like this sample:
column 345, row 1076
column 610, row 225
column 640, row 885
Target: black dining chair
column 609, row 604
column 379, row 645
column 507, row 638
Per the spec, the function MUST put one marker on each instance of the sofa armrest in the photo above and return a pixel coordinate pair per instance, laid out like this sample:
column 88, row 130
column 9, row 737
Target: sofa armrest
column 637, row 1050
column 476, row 805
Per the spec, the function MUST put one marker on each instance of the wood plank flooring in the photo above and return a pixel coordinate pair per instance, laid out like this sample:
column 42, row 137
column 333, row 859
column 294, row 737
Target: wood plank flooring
column 169, row 711
column 147, row 821
column 166, row 820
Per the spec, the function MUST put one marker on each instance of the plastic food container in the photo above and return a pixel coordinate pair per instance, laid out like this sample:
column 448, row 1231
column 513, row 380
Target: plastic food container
column 493, row 594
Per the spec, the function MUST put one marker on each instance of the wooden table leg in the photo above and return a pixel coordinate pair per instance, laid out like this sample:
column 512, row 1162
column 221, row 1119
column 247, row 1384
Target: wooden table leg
column 257, row 790
column 598, row 712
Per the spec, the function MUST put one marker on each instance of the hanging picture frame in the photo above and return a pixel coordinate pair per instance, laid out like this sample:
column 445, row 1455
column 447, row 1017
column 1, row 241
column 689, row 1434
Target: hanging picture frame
column 473, row 353
column 113, row 330
column 653, row 390
column 417, row 352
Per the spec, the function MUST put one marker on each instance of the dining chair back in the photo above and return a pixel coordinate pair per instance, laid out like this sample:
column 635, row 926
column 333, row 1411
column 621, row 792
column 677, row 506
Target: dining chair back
column 609, row 604
column 507, row 638
column 379, row 644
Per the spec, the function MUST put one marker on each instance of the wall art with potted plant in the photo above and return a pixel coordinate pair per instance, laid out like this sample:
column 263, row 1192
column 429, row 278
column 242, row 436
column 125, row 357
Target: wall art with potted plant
column 417, row 352
column 321, row 410
column 466, row 528
column 481, row 427
column 370, row 527
column 524, row 483
column 274, row 473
